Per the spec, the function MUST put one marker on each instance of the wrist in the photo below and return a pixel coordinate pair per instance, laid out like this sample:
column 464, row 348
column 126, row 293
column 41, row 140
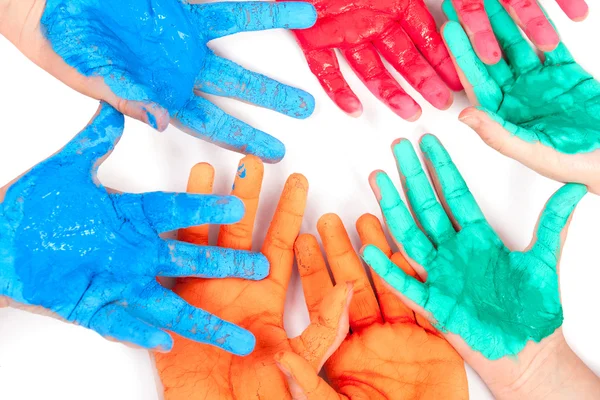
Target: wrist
column 546, row 370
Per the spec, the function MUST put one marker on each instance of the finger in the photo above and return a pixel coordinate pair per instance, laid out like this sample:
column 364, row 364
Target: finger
column 313, row 272
column 169, row 211
column 327, row 332
column 551, row 228
column 180, row 259
column 303, row 381
column 221, row 77
column 577, row 10
column 347, row 267
column 532, row 20
column 114, row 322
column 365, row 61
column 453, row 189
column 397, row 48
column 246, row 187
column 419, row 24
column 163, row 308
column 201, row 180
column 278, row 246
column 403, row 228
column 425, row 206
column 408, row 286
column 519, row 53
column 228, row 18
column 202, row 119
column 473, row 17
column 324, row 65
column 500, row 72
column 371, row 233
column 485, row 88
column 97, row 140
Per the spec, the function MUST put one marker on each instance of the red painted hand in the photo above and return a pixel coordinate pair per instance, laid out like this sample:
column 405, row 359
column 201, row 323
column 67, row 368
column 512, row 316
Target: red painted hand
column 402, row 31
column 475, row 16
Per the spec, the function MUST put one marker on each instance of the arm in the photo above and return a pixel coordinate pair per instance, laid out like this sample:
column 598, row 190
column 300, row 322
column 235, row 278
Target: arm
column 546, row 370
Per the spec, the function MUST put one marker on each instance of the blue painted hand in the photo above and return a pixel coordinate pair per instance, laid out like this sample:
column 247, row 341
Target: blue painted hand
column 150, row 58
column 91, row 257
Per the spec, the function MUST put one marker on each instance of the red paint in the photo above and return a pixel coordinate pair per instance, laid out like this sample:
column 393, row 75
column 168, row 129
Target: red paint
column 528, row 15
column 401, row 31
column 577, row 10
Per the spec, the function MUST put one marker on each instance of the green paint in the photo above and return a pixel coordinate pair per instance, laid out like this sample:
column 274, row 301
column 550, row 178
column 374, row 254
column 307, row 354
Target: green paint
column 556, row 103
column 494, row 298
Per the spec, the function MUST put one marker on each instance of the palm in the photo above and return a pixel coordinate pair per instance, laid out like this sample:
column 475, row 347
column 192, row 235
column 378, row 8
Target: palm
column 91, row 257
column 223, row 375
column 150, row 58
column 553, row 102
column 495, row 299
column 385, row 360
column 198, row 371
column 479, row 287
column 402, row 31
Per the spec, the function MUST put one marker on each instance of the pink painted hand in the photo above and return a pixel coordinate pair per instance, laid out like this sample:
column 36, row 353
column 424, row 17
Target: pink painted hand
column 475, row 17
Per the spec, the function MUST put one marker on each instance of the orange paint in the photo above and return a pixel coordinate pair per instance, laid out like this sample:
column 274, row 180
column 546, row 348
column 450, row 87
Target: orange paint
column 392, row 354
column 194, row 370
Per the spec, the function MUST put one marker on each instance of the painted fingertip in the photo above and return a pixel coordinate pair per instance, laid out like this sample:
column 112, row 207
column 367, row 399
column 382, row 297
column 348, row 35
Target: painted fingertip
column 348, row 103
column 543, row 35
column 155, row 116
column 232, row 208
column 238, row 341
column 300, row 15
column 487, row 47
column 402, row 149
column 303, row 107
column 161, row 342
column 429, row 142
column 405, row 107
column 261, row 266
column 374, row 180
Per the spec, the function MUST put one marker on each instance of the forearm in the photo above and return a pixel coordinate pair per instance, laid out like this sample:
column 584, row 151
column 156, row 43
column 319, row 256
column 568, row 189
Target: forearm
column 551, row 371
column 18, row 18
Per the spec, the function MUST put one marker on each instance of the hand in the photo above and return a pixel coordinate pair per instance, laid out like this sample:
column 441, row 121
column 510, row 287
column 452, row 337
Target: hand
column 499, row 308
column 149, row 59
column 391, row 353
column 91, row 257
column 193, row 370
column 544, row 115
column 402, row 31
column 473, row 15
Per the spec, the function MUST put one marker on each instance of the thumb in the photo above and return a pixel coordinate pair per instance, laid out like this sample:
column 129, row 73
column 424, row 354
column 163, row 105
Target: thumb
column 97, row 139
column 328, row 330
column 303, row 381
column 501, row 135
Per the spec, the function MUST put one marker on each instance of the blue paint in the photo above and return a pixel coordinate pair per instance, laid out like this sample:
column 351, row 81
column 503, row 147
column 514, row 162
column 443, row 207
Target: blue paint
column 242, row 171
column 155, row 52
column 92, row 257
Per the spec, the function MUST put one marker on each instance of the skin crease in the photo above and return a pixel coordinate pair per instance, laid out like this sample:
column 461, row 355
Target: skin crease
column 402, row 31
column 391, row 353
column 94, row 47
column 473, row 285
column 73, row 249
column 475, row 16
column 194, row 370
column 543, row 114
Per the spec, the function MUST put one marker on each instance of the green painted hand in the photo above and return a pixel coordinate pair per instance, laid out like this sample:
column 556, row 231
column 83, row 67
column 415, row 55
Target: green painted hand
column 496, row 300
column 544, row 114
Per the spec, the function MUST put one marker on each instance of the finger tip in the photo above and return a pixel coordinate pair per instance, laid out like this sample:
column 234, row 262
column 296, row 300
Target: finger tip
column 303, row 15
column 347, row 101
column 272, row 152
column 327, row 221
column 365, row 220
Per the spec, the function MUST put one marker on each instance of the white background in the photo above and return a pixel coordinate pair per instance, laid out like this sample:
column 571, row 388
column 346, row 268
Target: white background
column 44, row 358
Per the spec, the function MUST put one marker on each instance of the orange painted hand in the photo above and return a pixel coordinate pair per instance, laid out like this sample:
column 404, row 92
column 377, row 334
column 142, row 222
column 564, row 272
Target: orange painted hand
column 391, row 353
column 195, row 371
